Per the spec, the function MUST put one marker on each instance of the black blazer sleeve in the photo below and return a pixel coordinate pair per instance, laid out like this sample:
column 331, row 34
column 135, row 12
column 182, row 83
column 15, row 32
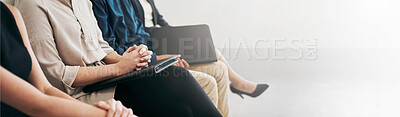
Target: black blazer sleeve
column 158, row 17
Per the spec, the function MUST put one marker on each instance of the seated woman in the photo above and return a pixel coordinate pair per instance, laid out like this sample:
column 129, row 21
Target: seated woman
column 19, row 66
column 72, row 53
column 121, row 29
column 149, row 16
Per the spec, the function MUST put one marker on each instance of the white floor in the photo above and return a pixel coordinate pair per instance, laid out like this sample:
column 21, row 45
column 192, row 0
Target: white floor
column 339, row 83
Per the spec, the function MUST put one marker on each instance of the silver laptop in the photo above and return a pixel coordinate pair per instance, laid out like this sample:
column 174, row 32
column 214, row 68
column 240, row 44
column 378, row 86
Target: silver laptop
column 194, row 43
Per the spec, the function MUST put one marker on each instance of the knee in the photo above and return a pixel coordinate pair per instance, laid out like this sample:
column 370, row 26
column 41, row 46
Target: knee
column 212, row 82
column 220, row 66
column 221, row 71
column 206, row 81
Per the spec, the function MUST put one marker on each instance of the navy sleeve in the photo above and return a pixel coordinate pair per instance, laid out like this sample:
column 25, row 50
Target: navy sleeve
column 153, row 57
column 100, row 12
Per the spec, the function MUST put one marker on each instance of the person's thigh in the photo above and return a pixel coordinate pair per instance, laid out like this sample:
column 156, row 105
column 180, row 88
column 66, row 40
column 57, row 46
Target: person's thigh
column 220, row 72
column 149, row 93
column 216, row 69
column 208, row 83
column 172, row 86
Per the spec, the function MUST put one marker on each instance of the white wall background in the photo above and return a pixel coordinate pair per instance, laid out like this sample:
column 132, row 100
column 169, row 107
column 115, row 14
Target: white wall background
column 336, row 23
column 355, row 73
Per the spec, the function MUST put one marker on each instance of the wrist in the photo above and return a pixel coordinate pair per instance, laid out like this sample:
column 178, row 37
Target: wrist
column 117, row 69
column 112, row 58
column 118, row 57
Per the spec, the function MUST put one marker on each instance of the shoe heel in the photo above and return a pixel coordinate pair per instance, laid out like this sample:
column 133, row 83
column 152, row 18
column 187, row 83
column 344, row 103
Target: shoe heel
column 241, row 95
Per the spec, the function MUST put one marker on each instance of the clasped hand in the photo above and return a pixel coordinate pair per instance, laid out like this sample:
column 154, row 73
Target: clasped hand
column 114, row 108
column 135, row 58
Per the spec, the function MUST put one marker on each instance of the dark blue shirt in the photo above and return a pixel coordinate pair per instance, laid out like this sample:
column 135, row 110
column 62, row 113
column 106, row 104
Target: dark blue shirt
column 119, row 24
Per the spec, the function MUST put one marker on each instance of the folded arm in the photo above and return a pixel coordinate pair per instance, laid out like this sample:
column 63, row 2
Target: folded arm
column 44, row 99
column 40, row 104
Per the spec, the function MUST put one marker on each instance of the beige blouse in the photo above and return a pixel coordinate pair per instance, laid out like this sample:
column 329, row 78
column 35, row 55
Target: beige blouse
column 64, row 36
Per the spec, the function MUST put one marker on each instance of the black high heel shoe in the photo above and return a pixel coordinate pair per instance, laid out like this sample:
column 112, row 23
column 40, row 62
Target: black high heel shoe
column 259, row 90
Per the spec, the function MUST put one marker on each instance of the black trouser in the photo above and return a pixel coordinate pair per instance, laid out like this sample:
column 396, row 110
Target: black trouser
column 173, row 92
